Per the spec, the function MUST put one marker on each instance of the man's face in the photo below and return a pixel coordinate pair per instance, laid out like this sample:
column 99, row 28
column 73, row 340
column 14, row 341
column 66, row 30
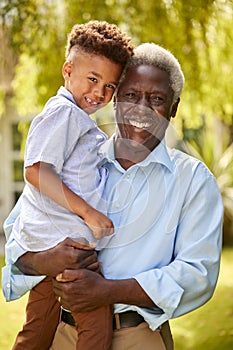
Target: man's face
column 144, row 106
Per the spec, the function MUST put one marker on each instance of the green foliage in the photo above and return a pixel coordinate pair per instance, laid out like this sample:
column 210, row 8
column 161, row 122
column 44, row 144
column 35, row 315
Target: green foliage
column 24, row 85
column 198, row 32
column 36, row 32
column 2, row 104
column 28, row 21
column 23, row 128
column 212, row 145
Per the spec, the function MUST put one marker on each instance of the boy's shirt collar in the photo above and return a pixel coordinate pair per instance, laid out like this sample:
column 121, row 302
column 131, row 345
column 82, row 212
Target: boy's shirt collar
column 62, row 91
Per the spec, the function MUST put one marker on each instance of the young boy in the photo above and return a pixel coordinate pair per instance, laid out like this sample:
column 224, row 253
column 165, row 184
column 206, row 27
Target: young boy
column 64, row 177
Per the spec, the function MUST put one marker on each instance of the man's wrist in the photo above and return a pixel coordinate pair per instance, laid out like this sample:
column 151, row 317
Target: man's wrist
column 26, row 264
column 126, row 291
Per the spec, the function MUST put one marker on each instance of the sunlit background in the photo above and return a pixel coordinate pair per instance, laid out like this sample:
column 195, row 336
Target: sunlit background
column 199, row 33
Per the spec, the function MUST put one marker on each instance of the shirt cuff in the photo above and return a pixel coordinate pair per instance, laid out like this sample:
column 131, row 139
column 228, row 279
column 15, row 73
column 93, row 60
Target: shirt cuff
column 163, row 290
column 15, row 286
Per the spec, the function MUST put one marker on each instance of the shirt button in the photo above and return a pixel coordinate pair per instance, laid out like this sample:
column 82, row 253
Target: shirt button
column 8, row 285
column 128, row 176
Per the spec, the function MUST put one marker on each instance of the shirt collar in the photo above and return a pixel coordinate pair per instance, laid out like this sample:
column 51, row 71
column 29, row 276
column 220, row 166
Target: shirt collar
column 62, row 91
column 159, row 155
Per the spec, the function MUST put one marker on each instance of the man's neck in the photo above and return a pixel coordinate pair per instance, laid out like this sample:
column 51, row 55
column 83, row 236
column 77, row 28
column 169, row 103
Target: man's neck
column 128, row 154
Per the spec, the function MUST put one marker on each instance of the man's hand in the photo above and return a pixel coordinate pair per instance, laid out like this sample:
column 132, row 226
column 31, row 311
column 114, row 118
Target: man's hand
column 81, row 290
column 69, row 254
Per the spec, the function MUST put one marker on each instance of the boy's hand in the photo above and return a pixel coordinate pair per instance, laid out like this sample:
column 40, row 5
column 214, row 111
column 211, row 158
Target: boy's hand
column 84, row 244
column 99, row 223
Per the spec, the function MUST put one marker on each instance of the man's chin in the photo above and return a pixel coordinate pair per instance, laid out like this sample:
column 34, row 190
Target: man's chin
column 138, row 145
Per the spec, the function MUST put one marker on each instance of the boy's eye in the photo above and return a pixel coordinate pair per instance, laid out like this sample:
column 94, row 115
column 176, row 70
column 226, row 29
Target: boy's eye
column 93, row 79
column 111, row 86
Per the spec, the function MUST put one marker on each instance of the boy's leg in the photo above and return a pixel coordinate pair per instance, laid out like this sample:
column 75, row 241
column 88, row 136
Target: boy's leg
column 94, row 329
column 42, row 317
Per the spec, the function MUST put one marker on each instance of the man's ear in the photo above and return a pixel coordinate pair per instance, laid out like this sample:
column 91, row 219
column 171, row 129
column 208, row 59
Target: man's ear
column 174, row 108
column 66, row 70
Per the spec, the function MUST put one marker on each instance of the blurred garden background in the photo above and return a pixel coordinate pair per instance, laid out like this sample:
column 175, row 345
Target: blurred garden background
column 199, row 32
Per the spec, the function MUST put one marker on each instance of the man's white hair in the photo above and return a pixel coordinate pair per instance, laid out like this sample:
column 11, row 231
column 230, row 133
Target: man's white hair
column 157, row 56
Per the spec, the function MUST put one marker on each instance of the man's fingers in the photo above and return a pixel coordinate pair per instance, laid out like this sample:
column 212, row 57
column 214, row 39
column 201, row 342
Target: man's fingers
column 96, row 266
column 67, row 276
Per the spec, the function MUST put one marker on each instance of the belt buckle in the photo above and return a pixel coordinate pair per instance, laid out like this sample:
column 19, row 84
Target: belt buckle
column 118, row 322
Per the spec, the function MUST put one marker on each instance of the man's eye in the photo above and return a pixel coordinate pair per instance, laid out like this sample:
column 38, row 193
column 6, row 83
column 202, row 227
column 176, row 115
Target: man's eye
column 156, row 100
column 131, row 96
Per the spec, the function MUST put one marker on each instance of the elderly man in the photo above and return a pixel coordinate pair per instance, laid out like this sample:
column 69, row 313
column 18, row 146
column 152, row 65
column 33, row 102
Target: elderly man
column 163, row 260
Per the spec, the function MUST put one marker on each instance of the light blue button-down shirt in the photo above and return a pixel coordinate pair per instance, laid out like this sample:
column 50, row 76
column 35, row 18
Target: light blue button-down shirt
column 167, row 212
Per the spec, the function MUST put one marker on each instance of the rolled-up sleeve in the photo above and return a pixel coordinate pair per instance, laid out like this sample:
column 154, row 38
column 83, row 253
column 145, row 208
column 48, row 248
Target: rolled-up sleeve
column 190, row 278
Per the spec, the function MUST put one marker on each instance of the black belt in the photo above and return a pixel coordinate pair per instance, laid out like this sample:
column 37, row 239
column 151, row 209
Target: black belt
column 127, row 319
column 123, row 320
column 67, row 317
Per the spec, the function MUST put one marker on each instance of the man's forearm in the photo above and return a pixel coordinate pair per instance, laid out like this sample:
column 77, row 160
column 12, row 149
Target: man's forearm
column 127, row 292
column 27, row 264
column 84, row 290
column 69, row 254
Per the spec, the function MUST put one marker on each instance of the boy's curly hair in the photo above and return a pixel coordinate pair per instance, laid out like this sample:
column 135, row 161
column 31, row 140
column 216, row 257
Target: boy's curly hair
column 101, row 38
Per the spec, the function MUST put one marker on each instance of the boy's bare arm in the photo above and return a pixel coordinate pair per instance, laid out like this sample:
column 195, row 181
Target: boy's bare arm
column 45, row 179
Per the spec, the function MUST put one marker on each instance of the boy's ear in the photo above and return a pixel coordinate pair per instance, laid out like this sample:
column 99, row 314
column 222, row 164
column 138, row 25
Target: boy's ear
column 66, row 70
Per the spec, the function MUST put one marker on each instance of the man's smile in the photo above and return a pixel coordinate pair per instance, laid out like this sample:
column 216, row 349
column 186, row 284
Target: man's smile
column 143, row 123
column 140, row 125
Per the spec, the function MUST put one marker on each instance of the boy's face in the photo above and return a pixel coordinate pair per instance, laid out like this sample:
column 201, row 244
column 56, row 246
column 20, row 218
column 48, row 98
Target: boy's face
column 92, row 80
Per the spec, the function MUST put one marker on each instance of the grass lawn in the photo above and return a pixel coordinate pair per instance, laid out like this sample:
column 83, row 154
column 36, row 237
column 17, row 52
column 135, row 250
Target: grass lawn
column 208, row 328
column 211, row 326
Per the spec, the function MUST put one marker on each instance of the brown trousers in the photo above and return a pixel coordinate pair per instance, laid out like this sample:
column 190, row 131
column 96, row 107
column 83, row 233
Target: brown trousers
column 135, row 338
column 94, row 329
column 42, row 318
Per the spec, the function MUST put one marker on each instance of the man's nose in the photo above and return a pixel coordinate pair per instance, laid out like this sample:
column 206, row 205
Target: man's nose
column 143, row 104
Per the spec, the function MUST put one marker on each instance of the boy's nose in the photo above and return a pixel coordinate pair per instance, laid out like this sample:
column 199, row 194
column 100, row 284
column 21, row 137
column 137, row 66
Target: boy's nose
column 100, row 93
